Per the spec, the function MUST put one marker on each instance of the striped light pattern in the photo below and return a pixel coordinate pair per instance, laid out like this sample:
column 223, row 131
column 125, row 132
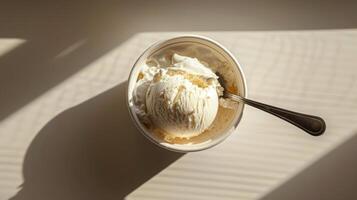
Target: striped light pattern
column 307, row 71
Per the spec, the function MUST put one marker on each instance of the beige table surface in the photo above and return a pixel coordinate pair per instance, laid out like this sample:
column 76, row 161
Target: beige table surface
column 76, row 141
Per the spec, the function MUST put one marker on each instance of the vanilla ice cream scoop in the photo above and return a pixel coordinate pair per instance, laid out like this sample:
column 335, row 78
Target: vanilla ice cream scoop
column 181, row 107
column 182, row 100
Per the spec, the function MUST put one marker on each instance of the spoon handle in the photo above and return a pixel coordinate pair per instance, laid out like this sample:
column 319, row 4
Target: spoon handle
column 313, row 125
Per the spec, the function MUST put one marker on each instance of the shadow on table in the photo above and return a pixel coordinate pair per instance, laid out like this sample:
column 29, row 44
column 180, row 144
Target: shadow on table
column 60, row 38
column 91, row 151
column 332, row 177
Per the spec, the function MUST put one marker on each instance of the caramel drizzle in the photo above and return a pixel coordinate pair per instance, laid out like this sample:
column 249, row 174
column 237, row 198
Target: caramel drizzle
column 198, row 80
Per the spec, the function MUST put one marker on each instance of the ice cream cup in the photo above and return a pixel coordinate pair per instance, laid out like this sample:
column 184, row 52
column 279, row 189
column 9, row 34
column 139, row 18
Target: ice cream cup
column 204, row 49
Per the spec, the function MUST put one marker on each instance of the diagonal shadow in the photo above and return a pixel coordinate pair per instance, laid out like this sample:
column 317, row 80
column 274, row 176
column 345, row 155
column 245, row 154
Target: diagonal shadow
column 49, row 28
column 79, row 154
column 332, row 177
column 91, row 151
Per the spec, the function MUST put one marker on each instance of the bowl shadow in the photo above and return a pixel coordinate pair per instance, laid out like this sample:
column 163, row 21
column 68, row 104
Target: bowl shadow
column 91, row 151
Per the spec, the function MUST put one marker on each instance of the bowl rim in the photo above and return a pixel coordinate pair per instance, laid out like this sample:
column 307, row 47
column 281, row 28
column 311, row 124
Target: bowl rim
column 136, row 121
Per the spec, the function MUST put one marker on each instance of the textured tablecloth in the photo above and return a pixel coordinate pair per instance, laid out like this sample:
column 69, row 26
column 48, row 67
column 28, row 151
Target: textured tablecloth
column 76, row 141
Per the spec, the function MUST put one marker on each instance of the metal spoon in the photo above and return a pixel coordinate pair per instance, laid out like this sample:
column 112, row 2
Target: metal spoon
column 313, row 125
